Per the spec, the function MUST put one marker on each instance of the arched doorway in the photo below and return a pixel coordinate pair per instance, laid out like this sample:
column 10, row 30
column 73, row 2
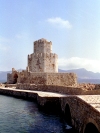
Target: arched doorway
column 15, row 77
column 68, row 115
column 91, row 128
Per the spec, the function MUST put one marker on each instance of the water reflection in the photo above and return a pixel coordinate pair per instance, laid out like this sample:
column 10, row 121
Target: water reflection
column 21, row 116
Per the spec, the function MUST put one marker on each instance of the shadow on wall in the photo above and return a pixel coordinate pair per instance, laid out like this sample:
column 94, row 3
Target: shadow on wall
column 52, row 107
column 68, row 115
column 15, row 77
column 91, row 128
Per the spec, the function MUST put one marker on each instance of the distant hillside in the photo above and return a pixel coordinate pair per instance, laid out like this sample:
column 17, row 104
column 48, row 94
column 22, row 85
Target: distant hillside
column 82, row 74
column 3, row 76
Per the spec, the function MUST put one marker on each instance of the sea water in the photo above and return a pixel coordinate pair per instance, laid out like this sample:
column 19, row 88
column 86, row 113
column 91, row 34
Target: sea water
column 23, row 116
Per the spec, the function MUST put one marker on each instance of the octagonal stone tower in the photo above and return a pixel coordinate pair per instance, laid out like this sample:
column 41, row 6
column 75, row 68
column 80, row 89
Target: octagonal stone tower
column 43, row 60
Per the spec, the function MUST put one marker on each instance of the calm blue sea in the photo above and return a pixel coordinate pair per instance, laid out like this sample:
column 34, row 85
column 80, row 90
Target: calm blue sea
column 22, row 116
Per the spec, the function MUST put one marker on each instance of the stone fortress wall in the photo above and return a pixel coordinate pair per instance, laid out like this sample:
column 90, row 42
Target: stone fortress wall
column 42, row 46
column 12, row 77
column 43, row 60
column 59, row 79
column 42, row 68
column 82, row 111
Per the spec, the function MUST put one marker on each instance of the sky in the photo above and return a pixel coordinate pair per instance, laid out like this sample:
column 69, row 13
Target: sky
column 73, row 26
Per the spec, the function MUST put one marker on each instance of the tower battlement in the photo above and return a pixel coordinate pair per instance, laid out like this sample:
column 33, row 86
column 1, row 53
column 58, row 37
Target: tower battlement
column 42, row 54
column 40, row 41
column 42, row 68
column 42, row 46
column 42, row 59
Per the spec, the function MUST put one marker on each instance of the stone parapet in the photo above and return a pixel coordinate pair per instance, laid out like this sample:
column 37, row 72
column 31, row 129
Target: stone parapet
column 79, row 110
column 59, row 79
column 42, row 68
column 59, row 89
column 42, row 46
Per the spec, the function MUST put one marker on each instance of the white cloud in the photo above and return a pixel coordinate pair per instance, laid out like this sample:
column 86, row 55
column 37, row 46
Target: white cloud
column 58, row 22
column 76, row 62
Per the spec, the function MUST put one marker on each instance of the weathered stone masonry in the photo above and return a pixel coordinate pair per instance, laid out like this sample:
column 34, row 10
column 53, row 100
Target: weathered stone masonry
column 42, row 74
column 80, row 111
column 42, row 68
column 43, row 60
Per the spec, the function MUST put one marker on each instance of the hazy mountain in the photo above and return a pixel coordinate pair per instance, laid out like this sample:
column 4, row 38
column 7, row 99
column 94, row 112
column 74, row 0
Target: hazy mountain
column 3, row 75
column 82, row 74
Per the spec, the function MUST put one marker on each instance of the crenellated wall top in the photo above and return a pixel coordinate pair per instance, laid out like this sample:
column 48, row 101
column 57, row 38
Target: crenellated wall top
column 40, row 41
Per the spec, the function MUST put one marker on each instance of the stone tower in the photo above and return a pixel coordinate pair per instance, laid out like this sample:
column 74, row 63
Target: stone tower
column 43, row 60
